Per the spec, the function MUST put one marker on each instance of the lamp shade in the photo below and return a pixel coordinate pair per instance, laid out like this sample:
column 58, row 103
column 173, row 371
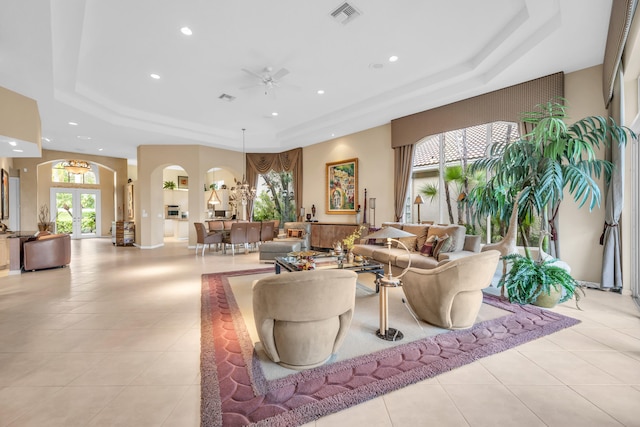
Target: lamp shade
column 389, row 233
column 419, row 200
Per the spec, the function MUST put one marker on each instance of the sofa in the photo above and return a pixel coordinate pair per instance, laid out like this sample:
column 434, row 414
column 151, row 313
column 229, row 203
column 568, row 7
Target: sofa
column 422, row 246
column 295, row 237
column 46, row 251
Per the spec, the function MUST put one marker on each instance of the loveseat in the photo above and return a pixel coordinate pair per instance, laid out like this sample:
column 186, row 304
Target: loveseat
column 422, row 246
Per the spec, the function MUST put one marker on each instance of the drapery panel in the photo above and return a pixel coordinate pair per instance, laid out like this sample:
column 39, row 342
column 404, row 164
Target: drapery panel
column 402, row 165
column 287, row 161
column 614, row 200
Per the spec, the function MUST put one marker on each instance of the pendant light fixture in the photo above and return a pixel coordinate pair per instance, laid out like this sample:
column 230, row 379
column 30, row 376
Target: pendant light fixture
column 76, row 166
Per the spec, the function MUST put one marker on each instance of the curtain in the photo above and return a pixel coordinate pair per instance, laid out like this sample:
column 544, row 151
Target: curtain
column 614, row 200
column 402, row 165
column 287, row 161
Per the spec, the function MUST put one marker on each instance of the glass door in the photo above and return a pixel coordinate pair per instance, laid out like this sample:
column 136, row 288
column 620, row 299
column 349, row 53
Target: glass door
column 76, row 211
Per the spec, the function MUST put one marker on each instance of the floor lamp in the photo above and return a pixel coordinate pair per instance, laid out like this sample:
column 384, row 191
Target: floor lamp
column 391, row 234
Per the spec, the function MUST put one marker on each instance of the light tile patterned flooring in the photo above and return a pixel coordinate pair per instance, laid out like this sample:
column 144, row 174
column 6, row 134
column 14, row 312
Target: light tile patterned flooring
column 113, row 340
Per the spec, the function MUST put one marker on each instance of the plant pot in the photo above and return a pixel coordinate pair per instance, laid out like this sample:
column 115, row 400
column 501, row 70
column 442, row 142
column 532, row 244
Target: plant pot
column 548, row 300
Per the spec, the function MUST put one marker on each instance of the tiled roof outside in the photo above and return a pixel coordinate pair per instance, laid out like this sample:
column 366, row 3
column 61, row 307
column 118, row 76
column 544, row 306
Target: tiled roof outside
column 427, row 150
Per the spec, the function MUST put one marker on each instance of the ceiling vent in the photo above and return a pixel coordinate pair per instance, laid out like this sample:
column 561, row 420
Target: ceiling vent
column 226, row 97
column 345, row 13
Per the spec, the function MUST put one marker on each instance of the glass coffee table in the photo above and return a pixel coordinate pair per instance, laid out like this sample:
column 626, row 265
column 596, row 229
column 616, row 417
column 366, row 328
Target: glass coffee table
column 328, row 261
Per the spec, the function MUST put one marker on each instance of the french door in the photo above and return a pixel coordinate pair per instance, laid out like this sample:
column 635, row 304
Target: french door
column 76, row 211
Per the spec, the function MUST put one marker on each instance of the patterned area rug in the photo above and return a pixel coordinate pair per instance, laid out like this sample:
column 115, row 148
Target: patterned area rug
column 235, row 392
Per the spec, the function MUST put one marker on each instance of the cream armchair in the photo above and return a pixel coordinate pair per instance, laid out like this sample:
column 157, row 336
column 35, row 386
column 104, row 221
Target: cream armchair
column 303, row 317
column 450, row 295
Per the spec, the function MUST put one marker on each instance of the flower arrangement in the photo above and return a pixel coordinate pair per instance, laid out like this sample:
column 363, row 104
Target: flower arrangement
column 350, row 240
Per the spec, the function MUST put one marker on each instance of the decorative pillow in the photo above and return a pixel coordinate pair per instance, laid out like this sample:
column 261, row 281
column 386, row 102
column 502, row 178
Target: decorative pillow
column 409, row 242
column 420, row 232
column 444, row 244
column 295, row 232
column 456, row 232
column 427, row 248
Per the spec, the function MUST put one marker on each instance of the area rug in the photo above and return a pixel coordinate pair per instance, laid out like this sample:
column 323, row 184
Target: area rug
column 234, row 391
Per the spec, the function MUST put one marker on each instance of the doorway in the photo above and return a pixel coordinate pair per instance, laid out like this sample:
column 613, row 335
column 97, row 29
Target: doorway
column 77, row 212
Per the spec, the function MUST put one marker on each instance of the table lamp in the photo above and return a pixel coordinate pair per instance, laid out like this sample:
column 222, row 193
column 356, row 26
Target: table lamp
column 391, row 234
column 418, row 202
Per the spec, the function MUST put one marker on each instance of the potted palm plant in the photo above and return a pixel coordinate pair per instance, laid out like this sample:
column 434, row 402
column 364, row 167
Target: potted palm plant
column 550, row 159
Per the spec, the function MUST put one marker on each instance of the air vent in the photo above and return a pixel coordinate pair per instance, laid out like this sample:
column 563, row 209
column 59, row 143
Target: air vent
column 345, row 13
column 226, row 97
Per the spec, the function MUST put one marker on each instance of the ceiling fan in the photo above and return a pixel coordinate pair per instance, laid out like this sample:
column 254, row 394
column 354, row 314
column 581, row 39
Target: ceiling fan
column 267, row 78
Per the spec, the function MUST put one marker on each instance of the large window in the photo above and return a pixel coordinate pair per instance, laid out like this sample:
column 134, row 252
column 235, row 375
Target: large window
column 440, row 171
column 275, row 197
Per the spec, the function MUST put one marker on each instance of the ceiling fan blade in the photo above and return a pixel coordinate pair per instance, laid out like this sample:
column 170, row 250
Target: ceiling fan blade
column 280, row 74
column 254, row 74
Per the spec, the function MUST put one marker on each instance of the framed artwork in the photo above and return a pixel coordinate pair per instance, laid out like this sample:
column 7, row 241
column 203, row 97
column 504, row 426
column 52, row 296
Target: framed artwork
column 342, row 187
column 183, row 181
column 5, row 194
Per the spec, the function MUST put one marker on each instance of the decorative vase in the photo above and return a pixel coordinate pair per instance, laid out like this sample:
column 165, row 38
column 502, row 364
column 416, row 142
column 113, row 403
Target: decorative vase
column 358, row 218
column 350, row 257
column 548, row 300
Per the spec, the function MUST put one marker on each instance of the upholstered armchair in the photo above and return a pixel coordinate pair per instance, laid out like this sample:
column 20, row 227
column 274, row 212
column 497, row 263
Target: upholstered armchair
column 450, row 295
column 303, row 317
column 205, row 238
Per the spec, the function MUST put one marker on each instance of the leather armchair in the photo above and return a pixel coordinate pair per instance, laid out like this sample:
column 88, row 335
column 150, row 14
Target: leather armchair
column 47, row 251
column 303, row 317
column 450, row 295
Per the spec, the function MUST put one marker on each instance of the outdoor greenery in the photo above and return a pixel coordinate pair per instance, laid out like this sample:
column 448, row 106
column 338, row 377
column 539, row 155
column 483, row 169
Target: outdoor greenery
column 277, row 202
column 64, row 216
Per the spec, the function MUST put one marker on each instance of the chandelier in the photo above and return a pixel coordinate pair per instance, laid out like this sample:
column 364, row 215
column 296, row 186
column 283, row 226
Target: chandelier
column 242, row 190
column 76, row 166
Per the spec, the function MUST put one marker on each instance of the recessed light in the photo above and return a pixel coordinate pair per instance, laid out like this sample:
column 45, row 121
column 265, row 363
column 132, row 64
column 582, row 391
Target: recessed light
column 13, row 143
column 320, row 92
column 46, row 139
column 73, row 123
column 332, row 135
column 376, row 66
column 154, row 76
column 275, row 113
column 393, row 58
column 100, row 149
column 18, row 151
column 84, row 137
column 186, row 31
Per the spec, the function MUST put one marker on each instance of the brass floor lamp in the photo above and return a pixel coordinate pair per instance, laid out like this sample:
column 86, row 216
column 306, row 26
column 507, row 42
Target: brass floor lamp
column 391, row 234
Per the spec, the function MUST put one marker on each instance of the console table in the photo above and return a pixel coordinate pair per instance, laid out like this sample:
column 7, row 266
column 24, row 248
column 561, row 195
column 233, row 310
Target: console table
column 324, row 234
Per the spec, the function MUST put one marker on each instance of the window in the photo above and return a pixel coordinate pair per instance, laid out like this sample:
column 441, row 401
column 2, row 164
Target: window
column 441, row 161
column 59, row 174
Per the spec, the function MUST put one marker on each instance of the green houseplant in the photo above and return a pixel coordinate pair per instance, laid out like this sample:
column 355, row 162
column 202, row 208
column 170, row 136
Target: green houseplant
column 169, row 185
column 552, row 158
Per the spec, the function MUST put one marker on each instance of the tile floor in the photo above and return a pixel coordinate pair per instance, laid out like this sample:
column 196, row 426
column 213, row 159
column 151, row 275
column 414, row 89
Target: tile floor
column 113, row 340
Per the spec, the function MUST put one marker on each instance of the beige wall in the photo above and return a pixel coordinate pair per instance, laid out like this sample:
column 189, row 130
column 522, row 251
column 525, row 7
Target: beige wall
column 372, row 147
column 196, row 160
column 580, row 229
column 35, row 186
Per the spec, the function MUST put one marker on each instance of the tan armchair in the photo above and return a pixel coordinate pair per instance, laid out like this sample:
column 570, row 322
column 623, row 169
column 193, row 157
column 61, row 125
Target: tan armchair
column 303, row 317
column 450, row 295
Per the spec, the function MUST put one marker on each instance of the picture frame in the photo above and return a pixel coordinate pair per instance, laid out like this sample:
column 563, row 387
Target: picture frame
column 5, row 193
column 183, row 181
column 342, row 187
column 130, row 212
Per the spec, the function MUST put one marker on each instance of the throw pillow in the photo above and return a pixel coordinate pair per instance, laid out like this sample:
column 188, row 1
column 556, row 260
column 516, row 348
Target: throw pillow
column 420, row 232
column 409, row 242
column 427, row 248
column 295, row 232
column 444, row 244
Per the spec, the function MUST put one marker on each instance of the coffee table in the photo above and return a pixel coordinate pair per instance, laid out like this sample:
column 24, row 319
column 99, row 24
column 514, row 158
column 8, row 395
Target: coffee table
column 328, row 261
